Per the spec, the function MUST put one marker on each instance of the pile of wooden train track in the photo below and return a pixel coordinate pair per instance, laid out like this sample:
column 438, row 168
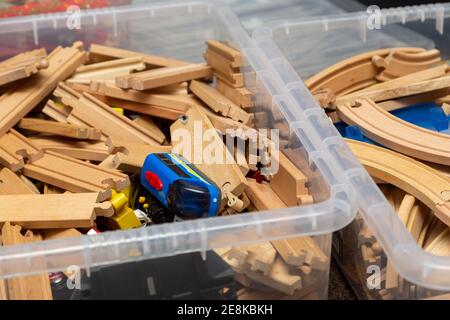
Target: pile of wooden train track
column 77, row 125
column 413, row 166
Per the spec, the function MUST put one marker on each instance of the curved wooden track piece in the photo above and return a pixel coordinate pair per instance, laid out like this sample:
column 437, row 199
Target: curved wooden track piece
column 394, row 133
column 398, row 63
column 415, row 178
column 354, row 73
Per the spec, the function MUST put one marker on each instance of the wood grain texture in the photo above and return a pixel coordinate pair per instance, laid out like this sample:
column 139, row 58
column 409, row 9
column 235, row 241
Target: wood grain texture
column 74, row 175
column 60, row 129
column 227, row 52
column 22, row 98
column 99, row 52
column 42, row 211
column 224, row 172
column 15, row 148
column 36, row 287
column 101, row 116
column 218, row 102
column 10, row 183
column 395, row 133
column 415, row 178
column 161, row 77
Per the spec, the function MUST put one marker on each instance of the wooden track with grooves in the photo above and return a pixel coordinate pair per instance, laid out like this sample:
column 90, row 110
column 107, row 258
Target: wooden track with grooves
column 352, row 74
column 394, row 133
column 412, row 176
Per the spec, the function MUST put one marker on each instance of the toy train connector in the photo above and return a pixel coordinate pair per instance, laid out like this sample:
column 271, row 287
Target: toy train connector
column 180, row 186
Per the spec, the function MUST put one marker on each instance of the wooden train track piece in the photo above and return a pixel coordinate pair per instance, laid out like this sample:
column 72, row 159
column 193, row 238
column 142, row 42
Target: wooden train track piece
column 227, row 52
column 259, row 257
column 392, row 132
column 15, row 148
column 399, row 63
column 36, row 287
column 289, row 183
column 22, row 98
column 148, row 124
column 399, row 103
column 415, row 178
column 223, row 173
column 352, row 74
column 170, row 101
column 75, row 175
column 59, row 129
column 98, row 53
column 398, row 90
column 42, row 211
column 10, row 183
column 440, row 246
column 24, row 56
column 129, row 157
column 294, row 251
column 240, row 96
column 161, row 77
column 218, row 102
column 107, row 71
column 220, row 63
column 21, row 70
column 427, row 74
column 82, row 150
column 234, row 80
column 101, row 116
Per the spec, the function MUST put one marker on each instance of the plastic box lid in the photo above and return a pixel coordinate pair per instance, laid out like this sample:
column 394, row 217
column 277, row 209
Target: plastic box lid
column 179, row 30
column 313, row 44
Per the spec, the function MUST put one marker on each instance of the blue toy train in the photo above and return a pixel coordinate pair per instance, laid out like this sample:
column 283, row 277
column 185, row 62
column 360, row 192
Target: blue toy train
column 180, row 186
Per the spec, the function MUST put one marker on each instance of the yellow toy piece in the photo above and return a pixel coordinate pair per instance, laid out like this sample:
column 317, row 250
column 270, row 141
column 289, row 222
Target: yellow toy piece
column 118, row 110
column 124, row 216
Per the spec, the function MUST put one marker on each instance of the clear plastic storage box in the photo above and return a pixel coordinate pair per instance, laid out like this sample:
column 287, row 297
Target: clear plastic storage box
column 179, row 30
column 300, row 48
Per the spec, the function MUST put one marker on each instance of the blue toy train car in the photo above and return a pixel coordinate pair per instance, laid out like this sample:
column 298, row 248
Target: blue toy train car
column 180, row 186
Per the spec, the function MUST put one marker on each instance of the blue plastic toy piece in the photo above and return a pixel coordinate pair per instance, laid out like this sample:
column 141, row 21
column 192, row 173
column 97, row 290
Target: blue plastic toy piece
column 180, row 186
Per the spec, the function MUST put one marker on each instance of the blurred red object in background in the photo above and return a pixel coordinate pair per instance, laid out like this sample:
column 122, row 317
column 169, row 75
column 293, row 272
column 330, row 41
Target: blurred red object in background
column 25, row 8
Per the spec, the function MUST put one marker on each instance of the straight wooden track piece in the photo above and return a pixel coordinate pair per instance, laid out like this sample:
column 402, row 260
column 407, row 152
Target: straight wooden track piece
column 259, row 257
column 59, row 129
column 129, row 157
column 398, row 90
column 170, row 101
column 107, row 71
column 83, row 150
column 21, row 70
column 101, row 116
column 42, row 211
column 399, row 103
column 398, row 63
column 148, row 124
column 21, row 99
column 219, row 165
column 440, row 246
column 24, row 56
column 289, row 182
column 240, row 96
column 218, row 102
column 36, row 287
column 227, row 52
column 99, row 52
column 220, row 63
column 10, row 183
column 352, row 74
column 427, row 74
column 394, row 133
column 234, row 80
column 412, row 176
column 161, row 77
column 74, row 175
column 15, row 148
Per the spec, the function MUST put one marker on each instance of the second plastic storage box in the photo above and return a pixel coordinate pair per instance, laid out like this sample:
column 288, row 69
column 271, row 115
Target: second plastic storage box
column 377, row 252
column 157, row 260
